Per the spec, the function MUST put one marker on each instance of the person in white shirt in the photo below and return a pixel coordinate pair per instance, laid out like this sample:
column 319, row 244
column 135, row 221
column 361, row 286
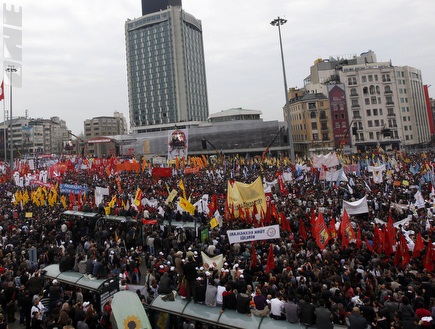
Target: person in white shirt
column 277, row 307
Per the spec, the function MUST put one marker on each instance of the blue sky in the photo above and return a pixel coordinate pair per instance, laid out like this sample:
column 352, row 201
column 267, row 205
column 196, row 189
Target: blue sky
column 74, row 51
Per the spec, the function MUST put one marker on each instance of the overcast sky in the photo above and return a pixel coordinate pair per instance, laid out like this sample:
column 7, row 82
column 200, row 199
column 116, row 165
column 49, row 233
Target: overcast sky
column 74, row 62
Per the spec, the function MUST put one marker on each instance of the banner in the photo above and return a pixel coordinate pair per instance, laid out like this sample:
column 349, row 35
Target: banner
column 171, row 196
column 177, row 144
column 329, row 160
column 217, row 262
column 75, row 189
column 254, row 234
column 241, row 195
column 357, row 207
column 131, row 314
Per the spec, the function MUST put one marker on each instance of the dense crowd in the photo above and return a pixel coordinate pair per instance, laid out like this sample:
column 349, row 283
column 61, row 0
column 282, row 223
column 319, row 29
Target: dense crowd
column 354, row 284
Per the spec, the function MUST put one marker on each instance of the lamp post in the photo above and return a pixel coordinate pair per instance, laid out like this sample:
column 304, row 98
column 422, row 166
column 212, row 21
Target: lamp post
column 11, row 69
column 278, row 22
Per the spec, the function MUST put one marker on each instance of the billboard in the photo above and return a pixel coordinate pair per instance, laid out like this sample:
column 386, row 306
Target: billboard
column 177, row 144
column 340, row 120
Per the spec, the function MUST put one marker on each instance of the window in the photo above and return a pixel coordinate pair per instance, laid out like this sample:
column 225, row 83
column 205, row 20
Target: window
column 372, row 90
column 370, row 123
column 343, row 125
column 369, row 112
column 315, row 137
column 367, row 101
column 314, row 125
column 371, row 135
column 370, row 77
column 364, row 78
column 373, row 100
column 312, row 115
column 337, row 125
column 376, row 123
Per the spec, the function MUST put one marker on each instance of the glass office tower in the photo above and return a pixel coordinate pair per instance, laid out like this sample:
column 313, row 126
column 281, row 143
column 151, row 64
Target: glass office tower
column 165, row 70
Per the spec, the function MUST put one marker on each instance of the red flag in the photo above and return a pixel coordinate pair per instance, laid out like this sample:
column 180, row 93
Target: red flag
column 358, row 238
column 388, row 248
column 397, row 256
column 332, row 229
column 405, row 251
column 313, row 218
column 254, row 260
column 368, row 245
column 242, row 213
column 2, row 91
column 270, row 260
column 418, row 247
column 255, row 213
column 346, row 230
column 391, row 230
column 321, row 232
column 428, row 259
column 377, row 241
column 79, row 198
column 302, row 230
column 285, row 225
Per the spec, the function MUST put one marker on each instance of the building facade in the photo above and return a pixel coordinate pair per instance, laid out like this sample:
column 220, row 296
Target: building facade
column 234, row 131
column 311, row 122
column 103, row 126
column 165, row 68
column 31, row 137
column 386, row 104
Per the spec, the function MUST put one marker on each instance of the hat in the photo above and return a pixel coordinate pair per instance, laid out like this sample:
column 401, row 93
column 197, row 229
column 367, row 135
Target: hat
column 241, row 276
column 179, row 254
column 54, row 281
column 207, row 273
column 201, row 268
column 86, row 304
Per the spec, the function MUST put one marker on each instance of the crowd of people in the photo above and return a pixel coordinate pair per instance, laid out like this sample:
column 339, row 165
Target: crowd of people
column 355, row 284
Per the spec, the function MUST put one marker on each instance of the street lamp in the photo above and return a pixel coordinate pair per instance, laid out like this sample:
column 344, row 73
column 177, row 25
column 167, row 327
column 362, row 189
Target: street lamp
column 11, row 69
column 278, row 22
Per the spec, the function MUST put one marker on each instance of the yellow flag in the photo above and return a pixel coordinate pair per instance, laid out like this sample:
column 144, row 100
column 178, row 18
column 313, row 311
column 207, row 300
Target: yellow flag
column 138, row 197
column 107, row 210
column 181, row 185
column 112, row 202
column 213, row 222
column 63, row 201
column 186, row 205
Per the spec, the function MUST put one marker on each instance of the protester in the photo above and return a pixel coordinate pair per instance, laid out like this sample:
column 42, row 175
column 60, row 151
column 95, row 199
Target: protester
column 378, row 255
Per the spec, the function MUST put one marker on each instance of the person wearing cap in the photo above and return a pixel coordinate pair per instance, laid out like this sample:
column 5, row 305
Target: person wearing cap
column 178, row 262
column 200, row 289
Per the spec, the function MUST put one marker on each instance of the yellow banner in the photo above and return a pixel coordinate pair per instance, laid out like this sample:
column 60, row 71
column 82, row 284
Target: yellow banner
column 242, row 195
column 171, row 196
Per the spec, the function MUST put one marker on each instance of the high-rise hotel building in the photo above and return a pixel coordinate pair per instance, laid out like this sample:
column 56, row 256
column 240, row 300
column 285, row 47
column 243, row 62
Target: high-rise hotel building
column 165, row 67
